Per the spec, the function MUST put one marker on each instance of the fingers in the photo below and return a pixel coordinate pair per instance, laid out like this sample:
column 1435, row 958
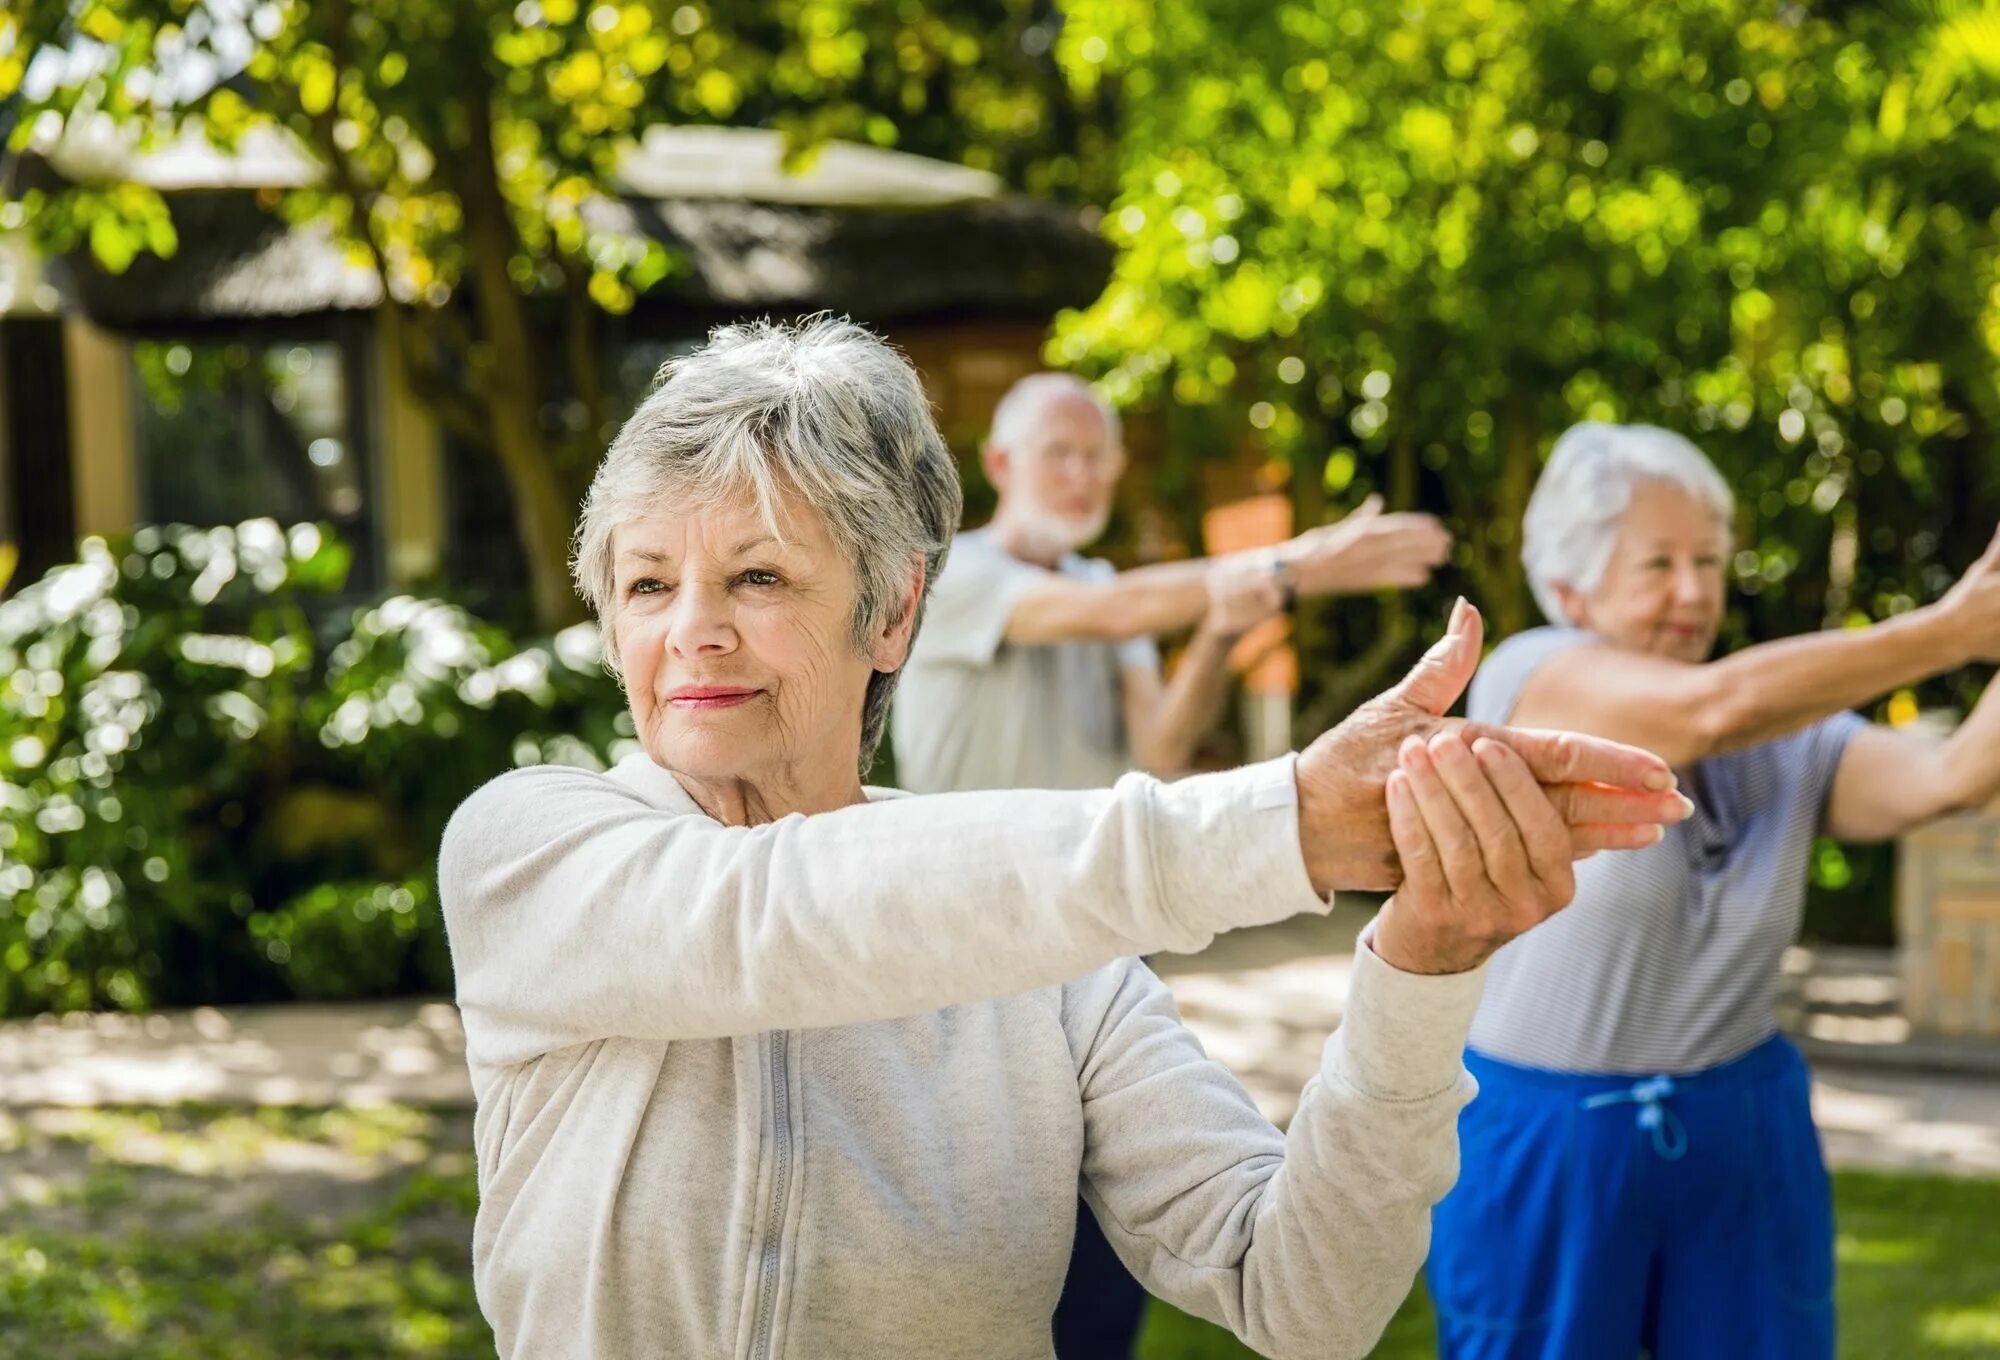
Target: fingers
column 1443, row 672
column 1545, row 837
column 1458, row 847
column 1572, row 758
column 1582, row 804
column 1402, row 535
column 1423, row 875
column 1530, row 804
column 1501, row 835
column 1587, row 840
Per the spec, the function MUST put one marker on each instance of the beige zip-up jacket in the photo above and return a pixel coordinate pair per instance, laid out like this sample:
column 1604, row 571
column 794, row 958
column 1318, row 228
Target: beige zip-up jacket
column 826, row 1089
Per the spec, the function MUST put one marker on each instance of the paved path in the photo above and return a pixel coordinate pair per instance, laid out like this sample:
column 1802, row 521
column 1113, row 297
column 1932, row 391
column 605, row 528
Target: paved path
column 1262, row 1001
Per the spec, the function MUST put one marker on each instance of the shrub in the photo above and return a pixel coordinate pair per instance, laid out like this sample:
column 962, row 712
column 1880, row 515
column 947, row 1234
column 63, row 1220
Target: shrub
column 218, row 783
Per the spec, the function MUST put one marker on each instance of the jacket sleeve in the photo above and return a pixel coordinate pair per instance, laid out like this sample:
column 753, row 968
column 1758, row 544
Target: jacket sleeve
column 576, row 910
column 1304, row 1243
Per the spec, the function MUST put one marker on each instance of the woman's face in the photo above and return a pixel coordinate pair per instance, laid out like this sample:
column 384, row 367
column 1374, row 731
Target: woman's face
column 1663, row 588
column 737, row 650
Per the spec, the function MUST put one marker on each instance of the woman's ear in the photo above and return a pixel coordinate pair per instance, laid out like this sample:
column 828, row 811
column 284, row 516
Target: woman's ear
column 1575, row 607
column 892, row 641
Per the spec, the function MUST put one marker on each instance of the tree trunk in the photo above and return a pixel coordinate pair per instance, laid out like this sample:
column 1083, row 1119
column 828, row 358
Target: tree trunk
column 508, row 380
column 1507, row 593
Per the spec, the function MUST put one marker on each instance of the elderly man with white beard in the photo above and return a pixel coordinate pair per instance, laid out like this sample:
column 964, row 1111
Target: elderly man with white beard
column 1037, row 668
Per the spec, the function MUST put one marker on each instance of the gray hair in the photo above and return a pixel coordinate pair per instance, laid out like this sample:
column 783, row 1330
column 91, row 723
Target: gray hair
column 1572, row 520
column 1014, row 419
column 820, row 407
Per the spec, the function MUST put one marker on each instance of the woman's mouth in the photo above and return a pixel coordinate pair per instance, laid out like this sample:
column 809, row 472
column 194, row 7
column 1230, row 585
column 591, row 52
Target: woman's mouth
column 702, row 698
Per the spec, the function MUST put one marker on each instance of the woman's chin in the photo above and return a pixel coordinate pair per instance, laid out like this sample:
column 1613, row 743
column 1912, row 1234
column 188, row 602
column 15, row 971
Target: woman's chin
column 707, row 750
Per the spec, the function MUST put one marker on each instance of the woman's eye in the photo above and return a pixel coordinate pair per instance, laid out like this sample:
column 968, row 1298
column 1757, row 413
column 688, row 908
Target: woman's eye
column 646, row 585
column 757, row 576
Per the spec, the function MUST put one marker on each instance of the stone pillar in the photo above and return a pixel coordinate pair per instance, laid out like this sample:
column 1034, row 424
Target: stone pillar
column 104, row 466
column 1948, row 924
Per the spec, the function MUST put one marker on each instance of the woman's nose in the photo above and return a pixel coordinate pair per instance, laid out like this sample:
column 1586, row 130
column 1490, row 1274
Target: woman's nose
column 701, row 621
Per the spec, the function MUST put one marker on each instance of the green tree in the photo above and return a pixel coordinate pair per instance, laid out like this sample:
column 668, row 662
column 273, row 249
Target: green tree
column 1402, row 248
column 466, row 144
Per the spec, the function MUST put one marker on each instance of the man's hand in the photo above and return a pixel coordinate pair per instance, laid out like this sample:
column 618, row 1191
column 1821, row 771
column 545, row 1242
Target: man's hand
column 1243, row 591
column 1367, row 550
column 1608, row 796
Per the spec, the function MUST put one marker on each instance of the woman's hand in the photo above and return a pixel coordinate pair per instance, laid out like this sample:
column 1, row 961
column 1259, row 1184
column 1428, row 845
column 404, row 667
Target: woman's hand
column 1485, row 856
column 1972, row 606
column 1608, row 796
column 1244, row 589
column 1367, row 550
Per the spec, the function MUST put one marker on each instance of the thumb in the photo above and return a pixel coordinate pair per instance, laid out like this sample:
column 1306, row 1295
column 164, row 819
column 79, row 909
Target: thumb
column 1990, row 559
column 1442, row 674
column 1367, row 510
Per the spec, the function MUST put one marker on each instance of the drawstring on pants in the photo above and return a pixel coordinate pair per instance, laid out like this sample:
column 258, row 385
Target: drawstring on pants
column 1669, row 1134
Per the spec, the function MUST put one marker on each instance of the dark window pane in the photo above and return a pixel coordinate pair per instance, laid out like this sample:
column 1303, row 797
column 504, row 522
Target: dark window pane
column 230, row 430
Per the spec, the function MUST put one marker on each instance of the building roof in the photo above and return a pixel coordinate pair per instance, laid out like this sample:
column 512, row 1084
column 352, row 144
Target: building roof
column 876, row 234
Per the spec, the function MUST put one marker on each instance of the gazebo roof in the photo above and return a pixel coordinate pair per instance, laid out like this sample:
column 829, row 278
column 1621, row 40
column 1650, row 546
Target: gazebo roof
column 876, row 234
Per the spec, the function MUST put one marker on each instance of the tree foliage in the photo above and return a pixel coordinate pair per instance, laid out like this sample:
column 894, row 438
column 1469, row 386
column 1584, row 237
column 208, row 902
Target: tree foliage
column 465, row 142
column 1402, row 248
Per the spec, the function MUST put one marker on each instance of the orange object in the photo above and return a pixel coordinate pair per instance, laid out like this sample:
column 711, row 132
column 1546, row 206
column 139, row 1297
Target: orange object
column 1263, row 656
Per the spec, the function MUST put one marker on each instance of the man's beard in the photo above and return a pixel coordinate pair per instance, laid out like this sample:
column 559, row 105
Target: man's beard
column 1054, row 535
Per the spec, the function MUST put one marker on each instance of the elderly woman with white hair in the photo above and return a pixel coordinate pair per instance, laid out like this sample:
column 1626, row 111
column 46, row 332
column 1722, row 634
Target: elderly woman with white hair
column 771, row 1065
column 1641, row 1170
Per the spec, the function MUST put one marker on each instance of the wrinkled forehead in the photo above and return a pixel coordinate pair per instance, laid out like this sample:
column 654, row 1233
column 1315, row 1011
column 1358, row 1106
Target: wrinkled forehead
column 1072, row 421
column 1663, row 514
column 684, row 517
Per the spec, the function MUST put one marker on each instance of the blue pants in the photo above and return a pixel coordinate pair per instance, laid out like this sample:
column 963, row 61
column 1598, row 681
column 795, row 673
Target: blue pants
column 1102, row 1306
column 1597, row 1216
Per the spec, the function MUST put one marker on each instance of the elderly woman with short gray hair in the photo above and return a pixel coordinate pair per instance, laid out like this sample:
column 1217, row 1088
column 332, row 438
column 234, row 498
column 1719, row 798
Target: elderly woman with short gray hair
column 772, row 1065
column 1640, row 1168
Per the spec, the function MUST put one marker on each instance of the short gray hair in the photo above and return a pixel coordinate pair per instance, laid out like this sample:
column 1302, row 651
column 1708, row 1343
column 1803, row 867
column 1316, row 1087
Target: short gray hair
column 1015, row 417
column 1572, row 520
column 820, row 407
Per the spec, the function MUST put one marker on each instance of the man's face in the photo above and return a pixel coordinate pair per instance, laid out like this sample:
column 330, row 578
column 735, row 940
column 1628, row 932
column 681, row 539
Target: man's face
column 1060, row 480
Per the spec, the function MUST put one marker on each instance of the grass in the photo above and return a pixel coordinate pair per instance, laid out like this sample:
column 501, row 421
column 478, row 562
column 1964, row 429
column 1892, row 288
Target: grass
column 281, row 1235
column 1919, row 1276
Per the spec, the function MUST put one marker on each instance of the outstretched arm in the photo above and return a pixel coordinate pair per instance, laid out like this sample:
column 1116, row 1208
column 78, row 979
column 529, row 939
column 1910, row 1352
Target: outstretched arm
column 577, row 910
column 1365, row 551
column 1684, row 712
column 1890, row 782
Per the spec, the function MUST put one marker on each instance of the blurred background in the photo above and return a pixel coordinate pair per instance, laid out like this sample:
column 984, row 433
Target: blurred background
column 315, row 317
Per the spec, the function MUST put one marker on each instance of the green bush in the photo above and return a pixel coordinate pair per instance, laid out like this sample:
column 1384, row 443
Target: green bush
column 219, row 783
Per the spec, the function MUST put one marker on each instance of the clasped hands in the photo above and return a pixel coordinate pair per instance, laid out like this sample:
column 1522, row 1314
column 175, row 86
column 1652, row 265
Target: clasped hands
column 1475, row 827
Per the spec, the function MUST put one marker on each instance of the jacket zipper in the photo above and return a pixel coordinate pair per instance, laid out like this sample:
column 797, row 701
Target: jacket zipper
column 781, row 1176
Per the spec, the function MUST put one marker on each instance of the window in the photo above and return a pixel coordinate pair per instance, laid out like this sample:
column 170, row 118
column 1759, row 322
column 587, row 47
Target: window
column 254, row 425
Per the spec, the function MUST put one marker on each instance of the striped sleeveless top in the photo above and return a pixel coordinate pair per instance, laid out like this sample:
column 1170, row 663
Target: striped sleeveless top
column 1667, row 961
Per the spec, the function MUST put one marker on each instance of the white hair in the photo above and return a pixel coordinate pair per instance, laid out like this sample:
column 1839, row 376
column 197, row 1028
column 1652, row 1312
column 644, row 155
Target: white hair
column 821, row 408
column 1572, row 520
column 1015, row 418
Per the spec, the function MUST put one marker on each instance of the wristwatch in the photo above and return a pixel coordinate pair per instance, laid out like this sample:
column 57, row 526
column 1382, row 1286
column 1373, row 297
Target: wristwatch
column 1287, row 579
